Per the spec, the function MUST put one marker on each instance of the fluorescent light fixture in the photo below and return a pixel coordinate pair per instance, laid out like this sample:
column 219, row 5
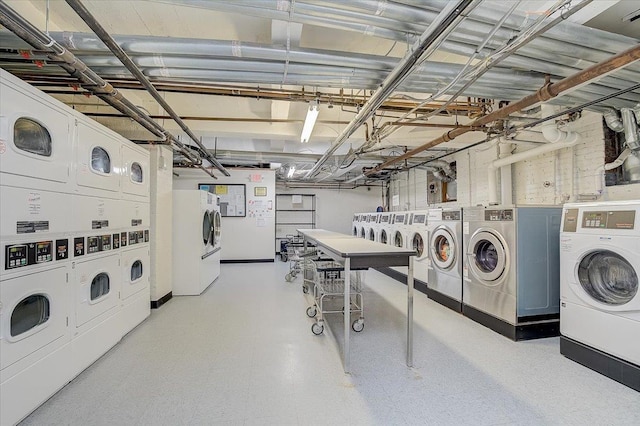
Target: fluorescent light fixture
column 310, row 121
column 292, row 170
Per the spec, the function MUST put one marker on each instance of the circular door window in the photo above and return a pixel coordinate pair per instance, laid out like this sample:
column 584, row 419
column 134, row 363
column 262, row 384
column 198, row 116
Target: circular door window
column 372, row 235
column 215, row 224
column 418, row 244
column 489, row 257
column 608, row 278
column 383, row 237
column 443, row 248
column 398, row 240
column 206, row 228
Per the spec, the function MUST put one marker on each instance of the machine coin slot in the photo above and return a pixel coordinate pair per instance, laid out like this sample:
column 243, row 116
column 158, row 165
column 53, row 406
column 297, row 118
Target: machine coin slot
column 570, row 220
column 594, row 220
column 116, row 241
column 19, row 255
column 62, row 249
column 140, row 237
column 133, row 238
column 78, row 246
column 123, row 239
column 146, row 235
column 105, row 242
column 44, row 251
column 93, row 244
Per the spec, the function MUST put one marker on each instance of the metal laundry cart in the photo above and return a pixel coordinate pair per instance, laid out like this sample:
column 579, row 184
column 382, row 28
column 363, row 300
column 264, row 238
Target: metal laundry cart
column 328, row 285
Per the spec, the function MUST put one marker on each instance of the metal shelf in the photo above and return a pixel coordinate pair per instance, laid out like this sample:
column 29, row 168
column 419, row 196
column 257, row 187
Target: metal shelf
column 287, row 216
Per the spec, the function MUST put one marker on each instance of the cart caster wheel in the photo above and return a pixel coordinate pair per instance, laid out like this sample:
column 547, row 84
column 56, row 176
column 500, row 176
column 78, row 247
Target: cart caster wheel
column 288, row 277
column 312, row 311
column 305, row 289
column 357, row 325
column 317, row 328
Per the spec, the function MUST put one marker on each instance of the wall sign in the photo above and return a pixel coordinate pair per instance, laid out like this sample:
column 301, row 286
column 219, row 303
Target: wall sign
column 232, row 198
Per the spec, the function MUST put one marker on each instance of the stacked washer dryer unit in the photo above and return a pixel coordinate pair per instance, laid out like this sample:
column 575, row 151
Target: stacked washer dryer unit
column 384, row 228
column 196, row 261
column 418, row 240
column 61, row 225
column 511, row 269
column 445, row 257
column 599, row 293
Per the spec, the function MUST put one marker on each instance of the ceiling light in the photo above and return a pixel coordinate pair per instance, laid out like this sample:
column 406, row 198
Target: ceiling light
column 292, row 169
column 310, row 121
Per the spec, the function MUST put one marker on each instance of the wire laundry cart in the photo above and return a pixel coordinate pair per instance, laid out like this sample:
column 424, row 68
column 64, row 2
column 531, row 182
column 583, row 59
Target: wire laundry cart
column 296, row 254
column 328, row 290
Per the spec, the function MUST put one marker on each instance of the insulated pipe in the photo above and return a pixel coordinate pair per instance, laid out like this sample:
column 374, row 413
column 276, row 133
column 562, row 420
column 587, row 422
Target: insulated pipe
column 613, row 120
column 86, row 16
column 630, row 129
column 506, row 185
column 547, row 92
column 438, row 31
column 609, row 166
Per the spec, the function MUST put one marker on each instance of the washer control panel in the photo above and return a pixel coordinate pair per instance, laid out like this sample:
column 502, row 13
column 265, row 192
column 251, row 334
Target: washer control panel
column 498, row 215
column 19, row 255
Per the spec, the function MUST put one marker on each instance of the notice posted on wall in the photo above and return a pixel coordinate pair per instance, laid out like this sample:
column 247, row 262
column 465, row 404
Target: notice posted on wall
column 232, row 198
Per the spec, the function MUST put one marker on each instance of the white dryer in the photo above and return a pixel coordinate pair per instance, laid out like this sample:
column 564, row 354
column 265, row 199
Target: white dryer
column 385, row 235
column 136, row 291
column 400, row 229
column 418, row 240
column 511, row 270
column 193, row 253
column 445, row 257
column 600, row 288
column 354, row 224
column 35, row 354
column 374, row 232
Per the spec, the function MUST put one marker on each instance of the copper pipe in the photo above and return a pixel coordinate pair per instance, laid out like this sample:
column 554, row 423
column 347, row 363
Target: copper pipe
column 546, row 92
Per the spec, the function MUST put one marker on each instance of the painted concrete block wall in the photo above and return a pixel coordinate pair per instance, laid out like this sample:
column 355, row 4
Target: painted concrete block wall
column 243, row 238
column 335, row 208
column 161, row 220
column 569, row 174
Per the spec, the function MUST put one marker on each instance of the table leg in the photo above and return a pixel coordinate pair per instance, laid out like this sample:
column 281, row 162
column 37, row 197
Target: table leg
column 410, row 314
column 347, row 313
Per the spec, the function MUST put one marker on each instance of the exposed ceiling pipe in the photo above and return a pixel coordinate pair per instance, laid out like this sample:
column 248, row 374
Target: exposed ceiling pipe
column 106, row 38
column 438, row 31
column 93, row 82
column 632, row 139
column 613, row 120
column 547, row 92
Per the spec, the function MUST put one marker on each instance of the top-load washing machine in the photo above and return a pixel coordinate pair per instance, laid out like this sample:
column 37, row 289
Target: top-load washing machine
column 445, row 257
column 600, row 288
column 511, row 271
column 193, row 252
column 418, row 240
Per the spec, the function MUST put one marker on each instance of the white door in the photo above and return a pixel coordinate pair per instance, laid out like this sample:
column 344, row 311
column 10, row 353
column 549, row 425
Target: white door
column 136, row 269
column 99, row 161
column 33, row 314
column 97, row 283
column 135, row 173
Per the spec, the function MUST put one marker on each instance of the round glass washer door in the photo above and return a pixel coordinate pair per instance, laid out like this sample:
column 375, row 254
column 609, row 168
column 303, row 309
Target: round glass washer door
column 443, row 248
column 398, row 239
column 608, row 278
column 363, row 233
column 418, row 245
column 383, row 237
column 216, row 220
column 206, row 228
column 372, row 235
column 488, row 257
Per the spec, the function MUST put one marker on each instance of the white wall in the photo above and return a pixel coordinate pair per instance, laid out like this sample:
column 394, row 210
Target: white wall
column 161, row 220
column 243, row 238
column 550, row 179
column 335, row 208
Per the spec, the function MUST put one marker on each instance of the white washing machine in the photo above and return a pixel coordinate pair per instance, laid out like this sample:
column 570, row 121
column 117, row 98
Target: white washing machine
column 418, row 240
column 445, row 257
column 193, row 254
column 35, row 353
column 400, row 229
column 511, row 270
column 385, row 235
column 354, row 224
column 600, row 294
column 367, row 226
column 374, row 232
column 35, row 142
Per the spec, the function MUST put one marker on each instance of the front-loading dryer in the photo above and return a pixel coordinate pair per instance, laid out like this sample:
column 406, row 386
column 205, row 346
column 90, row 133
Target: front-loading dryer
column 511, row 269
column 134, row 178
column 445, row 257
column 98, row 160
column 600, row 288
column 35, row 354
column 385, row 235
column 418, row 240
column 399, row 229
column 372, row 227
column 135, row 291
column 215, row 250
column 355, row 224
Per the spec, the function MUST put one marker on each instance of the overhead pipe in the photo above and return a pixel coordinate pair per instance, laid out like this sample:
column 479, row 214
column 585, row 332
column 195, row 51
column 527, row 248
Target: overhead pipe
column 547, row 92
column 106, row 38
column 437, row 31
column 10, row 19
column 632, row 139
column 610, row 166
column 613, row 120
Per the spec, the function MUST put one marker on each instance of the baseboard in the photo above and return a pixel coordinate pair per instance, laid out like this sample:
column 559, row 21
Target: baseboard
column 248, row 261
column 419, row 285
column 526, row 331
column 155, row 304
column 608, row 365
column 444, row 300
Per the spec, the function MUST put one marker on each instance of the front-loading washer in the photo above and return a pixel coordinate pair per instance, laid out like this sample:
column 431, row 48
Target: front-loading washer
column 511, row 269
column 374, row 231
column 418, row 241
column 445, row 257
column 35, row 352
column 399, row 229
column 355, row 225
column 385, row 235
column 600, row 288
